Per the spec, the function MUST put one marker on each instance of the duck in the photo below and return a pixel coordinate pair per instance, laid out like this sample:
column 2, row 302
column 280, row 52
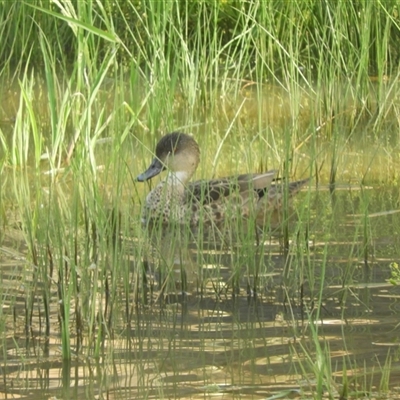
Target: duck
column 210, row 202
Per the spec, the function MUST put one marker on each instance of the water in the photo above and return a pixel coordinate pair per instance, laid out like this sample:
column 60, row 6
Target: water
column 237, row 344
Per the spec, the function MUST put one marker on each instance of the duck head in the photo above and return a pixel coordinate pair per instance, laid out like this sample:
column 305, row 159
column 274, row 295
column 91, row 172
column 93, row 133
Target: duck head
column 176, row 152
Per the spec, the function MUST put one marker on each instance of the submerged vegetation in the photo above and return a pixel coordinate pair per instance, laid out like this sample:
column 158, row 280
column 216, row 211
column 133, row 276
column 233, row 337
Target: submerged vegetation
column 307, row 87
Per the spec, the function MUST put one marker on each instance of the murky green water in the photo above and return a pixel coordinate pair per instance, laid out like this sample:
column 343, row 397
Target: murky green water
column 316, row 311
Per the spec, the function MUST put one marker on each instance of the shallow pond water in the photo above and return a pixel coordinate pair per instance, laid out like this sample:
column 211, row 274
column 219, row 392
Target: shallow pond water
column 223, row 342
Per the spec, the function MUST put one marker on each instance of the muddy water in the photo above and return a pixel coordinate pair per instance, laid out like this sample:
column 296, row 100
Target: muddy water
column 229, row 343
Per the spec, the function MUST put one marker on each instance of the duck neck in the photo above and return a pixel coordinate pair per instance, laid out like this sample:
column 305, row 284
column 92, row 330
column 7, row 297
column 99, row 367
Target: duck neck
column 178, row 178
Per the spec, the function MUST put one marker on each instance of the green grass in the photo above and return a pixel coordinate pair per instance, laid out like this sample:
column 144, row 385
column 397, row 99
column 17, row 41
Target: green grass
column 88, row 88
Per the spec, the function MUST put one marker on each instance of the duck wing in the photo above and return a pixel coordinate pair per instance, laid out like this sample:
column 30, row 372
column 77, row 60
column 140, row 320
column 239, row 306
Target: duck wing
column 210, row 191
column 272, row 196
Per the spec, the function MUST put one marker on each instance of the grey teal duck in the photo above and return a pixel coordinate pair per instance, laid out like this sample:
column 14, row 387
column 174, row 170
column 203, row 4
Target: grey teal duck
column 176, row 199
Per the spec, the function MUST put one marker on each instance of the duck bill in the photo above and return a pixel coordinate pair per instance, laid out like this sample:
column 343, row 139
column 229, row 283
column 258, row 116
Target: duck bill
column 155, row 168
